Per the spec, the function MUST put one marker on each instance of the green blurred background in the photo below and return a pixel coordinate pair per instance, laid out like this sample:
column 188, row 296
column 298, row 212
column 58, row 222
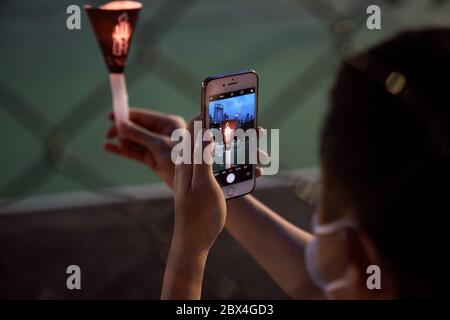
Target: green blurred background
column 55, row 97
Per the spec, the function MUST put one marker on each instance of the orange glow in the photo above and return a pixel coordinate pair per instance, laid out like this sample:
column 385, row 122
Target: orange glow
column 121, row 36
column 121, row 5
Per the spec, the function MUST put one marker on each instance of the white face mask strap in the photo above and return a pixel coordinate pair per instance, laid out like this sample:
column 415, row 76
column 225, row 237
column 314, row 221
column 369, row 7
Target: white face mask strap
column 327, row 228
column 323, row 229
column 332, row 226
column 335, row 285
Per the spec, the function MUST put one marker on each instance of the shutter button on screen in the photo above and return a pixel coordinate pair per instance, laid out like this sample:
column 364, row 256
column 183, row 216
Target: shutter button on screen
column 231, row 177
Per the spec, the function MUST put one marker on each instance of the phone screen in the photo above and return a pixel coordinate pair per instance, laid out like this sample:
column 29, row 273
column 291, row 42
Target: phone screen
column 228, row 112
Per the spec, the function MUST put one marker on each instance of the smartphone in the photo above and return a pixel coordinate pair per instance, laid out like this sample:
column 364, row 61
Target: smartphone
column 230, row 102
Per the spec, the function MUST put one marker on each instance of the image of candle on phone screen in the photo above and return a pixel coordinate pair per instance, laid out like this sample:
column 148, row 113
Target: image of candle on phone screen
column 114, row 24
column 229, row 112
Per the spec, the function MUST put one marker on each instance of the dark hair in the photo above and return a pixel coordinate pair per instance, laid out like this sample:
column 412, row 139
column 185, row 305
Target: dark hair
column 385, row 155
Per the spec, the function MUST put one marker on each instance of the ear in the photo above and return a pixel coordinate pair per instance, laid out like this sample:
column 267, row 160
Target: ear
column 360, row 276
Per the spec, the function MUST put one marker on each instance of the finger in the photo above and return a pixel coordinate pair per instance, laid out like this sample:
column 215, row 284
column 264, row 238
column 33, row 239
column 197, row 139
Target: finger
column 127, row 144
column 258, row 172
column 261, row 132
column 154, row 120
column 140, row 136
column 197, row 117
column 192, row 128
column 124, row 151
column 112, row 132
column 263, row 157
column 139, row 153
column 184, row 171
column 202, row 172
column 110, row 147
column 192, row 122
column 129, row 153
column 183, row 177
column 143, row 153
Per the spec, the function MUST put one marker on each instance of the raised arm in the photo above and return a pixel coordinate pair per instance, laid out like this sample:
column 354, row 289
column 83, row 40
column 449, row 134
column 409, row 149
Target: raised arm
column 200, row 214
column 276, row 244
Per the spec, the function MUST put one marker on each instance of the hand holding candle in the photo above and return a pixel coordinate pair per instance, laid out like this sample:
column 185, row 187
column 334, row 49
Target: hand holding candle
column 114, row 24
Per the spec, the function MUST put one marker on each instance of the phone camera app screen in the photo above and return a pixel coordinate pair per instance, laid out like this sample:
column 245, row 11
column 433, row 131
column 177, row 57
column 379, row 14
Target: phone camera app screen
column 227, row 113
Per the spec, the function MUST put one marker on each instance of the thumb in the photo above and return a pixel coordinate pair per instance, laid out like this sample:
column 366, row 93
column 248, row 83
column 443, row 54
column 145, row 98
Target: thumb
column 182, row 178
column 203, row 148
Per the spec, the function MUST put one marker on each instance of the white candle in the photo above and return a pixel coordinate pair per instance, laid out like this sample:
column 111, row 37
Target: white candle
column 119, row 97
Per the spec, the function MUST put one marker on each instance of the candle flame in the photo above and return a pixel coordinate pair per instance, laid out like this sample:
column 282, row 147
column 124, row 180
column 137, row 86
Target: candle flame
column 121, row 5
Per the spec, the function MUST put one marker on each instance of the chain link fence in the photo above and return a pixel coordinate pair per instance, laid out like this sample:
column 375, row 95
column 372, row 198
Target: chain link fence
column 121, row 245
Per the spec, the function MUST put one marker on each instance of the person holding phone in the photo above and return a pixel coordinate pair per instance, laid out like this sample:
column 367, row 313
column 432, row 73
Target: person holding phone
column 385, row 163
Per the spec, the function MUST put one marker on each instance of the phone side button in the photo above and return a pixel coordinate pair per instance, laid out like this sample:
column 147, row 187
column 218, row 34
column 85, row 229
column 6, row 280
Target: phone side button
column 230, row 191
